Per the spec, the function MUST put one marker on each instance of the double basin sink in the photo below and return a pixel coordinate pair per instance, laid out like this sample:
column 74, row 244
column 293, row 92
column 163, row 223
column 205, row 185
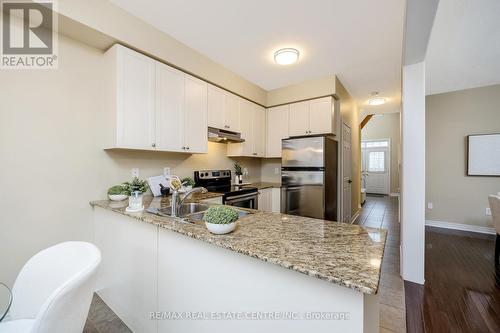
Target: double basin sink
column 192, row 212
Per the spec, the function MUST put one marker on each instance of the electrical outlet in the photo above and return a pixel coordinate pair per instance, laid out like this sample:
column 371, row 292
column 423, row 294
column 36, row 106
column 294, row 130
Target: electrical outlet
column 166, row 171
column 245, row 172
column 135, row 172
column 488, row 211
column 276, row 171
column 430, row 205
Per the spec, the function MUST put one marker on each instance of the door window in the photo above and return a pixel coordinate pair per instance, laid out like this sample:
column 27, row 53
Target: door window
column 376, row 161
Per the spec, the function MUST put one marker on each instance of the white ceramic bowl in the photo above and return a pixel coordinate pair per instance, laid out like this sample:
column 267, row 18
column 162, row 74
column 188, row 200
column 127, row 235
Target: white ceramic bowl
column 220, row 229
column 117, row 197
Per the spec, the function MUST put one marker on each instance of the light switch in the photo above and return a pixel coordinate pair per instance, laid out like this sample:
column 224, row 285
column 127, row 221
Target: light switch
column 430, row 205
column 135, row 172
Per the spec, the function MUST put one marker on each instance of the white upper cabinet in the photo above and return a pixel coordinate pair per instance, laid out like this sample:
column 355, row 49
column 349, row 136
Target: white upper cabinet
column 216, row 107
column 277, row 129
column 253, row 130
column 316, row 116
column 321, row 116
column 169, row 108
column 134, row 82
column 223, row 109
column 195, row 116
column 232, row 112
column 259, row 131
column 299, row 119
column 156, row 107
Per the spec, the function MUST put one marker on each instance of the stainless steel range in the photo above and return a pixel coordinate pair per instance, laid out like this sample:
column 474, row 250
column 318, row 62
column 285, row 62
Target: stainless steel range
column 219, row 181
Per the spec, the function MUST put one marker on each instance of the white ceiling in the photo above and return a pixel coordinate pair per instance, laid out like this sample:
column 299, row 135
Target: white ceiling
column 359, row 40
column 464, row 48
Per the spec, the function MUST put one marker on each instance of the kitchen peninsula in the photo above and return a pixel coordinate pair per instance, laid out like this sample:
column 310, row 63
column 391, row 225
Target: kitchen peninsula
column 301, row 268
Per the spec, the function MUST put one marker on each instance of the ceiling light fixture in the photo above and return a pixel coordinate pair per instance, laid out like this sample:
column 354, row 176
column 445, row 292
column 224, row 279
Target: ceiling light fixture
column 286, row 56
column 375, row 99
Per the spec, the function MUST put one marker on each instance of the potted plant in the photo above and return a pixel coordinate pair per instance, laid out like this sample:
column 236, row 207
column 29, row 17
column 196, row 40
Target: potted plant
column 118, row 193
column 221, row 219
column 238, row 173
column 135, row 189
column 188, row 183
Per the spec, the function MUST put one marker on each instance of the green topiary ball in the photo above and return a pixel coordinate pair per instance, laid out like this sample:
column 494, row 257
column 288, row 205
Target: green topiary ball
column 221, row 215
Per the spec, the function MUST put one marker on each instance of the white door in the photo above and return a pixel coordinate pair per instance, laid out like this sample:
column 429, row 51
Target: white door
column 195, row 116
column 299, row 119
column 169, row 108
column 216, row 105
column 375, row 167
column 232, row 112
column 277, row 129
column 346, row 174
column 320, row 116
column 259, row 131
column 136, row 100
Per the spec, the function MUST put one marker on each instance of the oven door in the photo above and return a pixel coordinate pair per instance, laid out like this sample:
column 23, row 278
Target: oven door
column 248, row 200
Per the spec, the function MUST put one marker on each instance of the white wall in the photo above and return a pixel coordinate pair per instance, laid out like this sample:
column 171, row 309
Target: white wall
column 52, row 159
column 386, row 126
column 413, row 173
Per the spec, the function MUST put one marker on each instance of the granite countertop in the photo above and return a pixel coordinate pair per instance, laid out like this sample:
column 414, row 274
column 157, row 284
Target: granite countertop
column 263, row 185
column 344, row 254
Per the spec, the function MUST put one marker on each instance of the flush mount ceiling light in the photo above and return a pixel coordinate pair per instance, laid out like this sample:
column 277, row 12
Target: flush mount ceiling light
column 286, row 56
column 375, row 99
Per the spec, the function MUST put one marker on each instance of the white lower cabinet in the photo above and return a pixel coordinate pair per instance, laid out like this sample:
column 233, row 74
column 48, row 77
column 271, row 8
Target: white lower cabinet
column 269, row 200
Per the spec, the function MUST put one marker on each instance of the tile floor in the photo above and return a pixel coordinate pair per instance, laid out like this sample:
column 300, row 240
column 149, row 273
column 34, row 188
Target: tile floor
column 382, row 212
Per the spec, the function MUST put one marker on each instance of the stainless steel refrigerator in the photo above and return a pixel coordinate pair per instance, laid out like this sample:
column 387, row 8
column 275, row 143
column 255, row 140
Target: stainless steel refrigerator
column 309, row 177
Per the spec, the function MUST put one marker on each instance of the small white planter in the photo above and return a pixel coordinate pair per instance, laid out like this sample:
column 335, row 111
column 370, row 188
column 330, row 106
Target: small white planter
column 117, row 197
column 220, row 229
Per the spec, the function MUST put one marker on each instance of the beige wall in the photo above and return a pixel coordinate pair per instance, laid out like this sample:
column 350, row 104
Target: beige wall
column 450, row 117
column 386, row 126
column 268, row 170
column 350, row 115
column 117, row 24
column 52, row 159
column 305, row 90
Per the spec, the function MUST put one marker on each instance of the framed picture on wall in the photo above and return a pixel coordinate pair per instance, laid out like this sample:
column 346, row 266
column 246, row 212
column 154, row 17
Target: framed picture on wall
column 483, row 155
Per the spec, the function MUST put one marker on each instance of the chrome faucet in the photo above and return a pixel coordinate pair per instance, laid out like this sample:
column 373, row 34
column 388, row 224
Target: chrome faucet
column 176, row 205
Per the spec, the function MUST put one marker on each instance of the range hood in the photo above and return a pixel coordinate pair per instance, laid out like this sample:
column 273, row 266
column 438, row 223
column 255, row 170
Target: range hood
column 223, row 136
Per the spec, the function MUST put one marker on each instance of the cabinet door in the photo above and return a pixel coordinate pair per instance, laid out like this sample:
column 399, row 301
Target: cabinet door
column 246, row 116
column 232, row 113
column 277, row 129
column 321, row 116
column 136, row 100
column 259, row 131
column 169, row 108
column 195, row 115
column 265, row 200
column 216, row 105
column 299, row 119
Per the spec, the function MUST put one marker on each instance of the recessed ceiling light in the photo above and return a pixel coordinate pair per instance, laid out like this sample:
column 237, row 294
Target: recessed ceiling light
column 286, row 56
column 375, row 99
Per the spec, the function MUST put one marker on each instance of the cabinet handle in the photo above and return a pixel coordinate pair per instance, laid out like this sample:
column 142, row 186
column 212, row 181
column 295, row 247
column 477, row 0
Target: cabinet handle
column 255, row 153
column 153, row 145
column 226, row 126
column 183, row 147
column 187, row 148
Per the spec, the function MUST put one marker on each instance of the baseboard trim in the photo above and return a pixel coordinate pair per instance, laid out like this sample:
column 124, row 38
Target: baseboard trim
column 394, row 194
column 460, row 226
column 355, row 217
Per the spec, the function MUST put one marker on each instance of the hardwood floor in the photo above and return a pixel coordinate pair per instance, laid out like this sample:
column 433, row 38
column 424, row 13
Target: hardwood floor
column 462, row 286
